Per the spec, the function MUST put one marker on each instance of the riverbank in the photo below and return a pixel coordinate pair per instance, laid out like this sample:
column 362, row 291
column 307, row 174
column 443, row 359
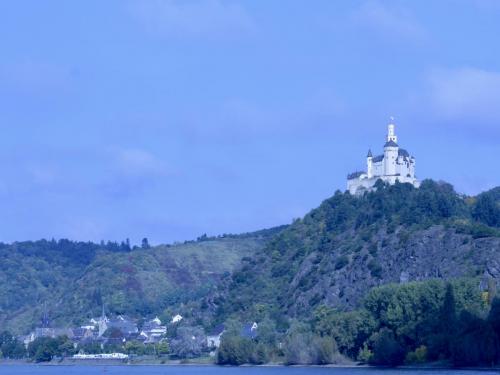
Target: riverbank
column 208, row 362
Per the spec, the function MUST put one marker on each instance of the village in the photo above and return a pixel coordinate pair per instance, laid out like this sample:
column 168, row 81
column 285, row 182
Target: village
column 122, row 337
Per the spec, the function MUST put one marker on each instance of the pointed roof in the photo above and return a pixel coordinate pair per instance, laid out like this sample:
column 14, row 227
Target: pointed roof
column 369, row 153
column 391, row 144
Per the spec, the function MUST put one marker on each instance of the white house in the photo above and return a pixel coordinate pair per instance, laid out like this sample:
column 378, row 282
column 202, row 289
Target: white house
column 395, row 164
column 177, row 318
column 213, row 339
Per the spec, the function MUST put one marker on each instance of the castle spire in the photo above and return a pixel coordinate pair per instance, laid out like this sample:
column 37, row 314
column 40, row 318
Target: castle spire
column 391, row 134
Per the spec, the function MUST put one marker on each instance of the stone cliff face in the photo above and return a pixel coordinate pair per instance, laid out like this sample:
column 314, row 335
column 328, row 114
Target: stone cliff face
column 397, row 257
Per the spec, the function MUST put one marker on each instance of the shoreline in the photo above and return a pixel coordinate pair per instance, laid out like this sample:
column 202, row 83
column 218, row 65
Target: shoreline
column 178, row 363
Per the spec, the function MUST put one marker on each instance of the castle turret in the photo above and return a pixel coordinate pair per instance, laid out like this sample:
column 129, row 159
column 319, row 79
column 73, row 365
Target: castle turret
column 391, row 135
column 369, row 164
column 391, row 150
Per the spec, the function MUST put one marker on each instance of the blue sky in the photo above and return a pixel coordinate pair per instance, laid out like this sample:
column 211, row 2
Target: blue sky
column 170, row 119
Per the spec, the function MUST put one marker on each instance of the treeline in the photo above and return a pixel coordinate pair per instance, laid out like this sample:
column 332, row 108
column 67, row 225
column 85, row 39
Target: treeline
column 66, row 251
column 418, row 322
column 411, row 323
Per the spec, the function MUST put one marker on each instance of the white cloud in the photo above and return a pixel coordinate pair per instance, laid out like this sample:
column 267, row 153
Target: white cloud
column 466, row 93
column 391, row 22
column 203, row 18
column 138, row 163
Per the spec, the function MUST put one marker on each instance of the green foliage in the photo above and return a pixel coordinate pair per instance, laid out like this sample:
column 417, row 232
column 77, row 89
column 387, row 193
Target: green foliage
column 341, row 262
column 365, row 355
column 349, row 329
column 134, row 348
column 235, row 350
column 417, row 320
column 387, row 351
column 163, row 348
column 486, row 209
column 10, row 347
column 44, row 349
column 375, row 268
column 476, row 342
column 417, row 356
column 188, row 343
column 74, row 278
column 301, row 247
column 305, row 348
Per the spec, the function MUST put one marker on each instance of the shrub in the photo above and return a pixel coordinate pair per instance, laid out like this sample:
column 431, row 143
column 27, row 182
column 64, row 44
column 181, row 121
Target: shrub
column 417, row 356
column 341, row 262
column 387, row 351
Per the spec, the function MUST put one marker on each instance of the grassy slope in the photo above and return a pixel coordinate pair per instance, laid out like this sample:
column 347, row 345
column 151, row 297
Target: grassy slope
column 139, row 282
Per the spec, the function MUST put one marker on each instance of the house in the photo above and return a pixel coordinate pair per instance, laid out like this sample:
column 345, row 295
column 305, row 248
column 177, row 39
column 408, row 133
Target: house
column 213, row 339
column 249, row 330
column 177, row 318
column 82, row 334
column 152, row 331
column 124, row 324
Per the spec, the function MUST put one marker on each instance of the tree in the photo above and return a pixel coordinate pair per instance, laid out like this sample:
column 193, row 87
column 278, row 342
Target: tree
column 323, row 350
column 189, row 342
column 10, row 347
column 234, row 350
column 134, row 347
column 448, row 315
column 494, row 315
column 145, row 243
column 387, row 350
column 476, row 342
column 487, row 208
column 162, row 348
column 43, row 349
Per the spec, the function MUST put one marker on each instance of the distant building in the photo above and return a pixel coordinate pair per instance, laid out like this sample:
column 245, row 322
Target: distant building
column 395, row 164
column 152, row 331
column 124, row 324
column 177, row 318
column 249, row 330
column 213, row 339
column 82, row 334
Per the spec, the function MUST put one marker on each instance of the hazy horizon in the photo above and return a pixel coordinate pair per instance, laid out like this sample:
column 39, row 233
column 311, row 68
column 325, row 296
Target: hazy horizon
column 170, row 119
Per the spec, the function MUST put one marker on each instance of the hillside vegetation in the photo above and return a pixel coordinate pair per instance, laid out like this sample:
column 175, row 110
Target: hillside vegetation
column 71, row 281
column 398, row 275
column 349, row 244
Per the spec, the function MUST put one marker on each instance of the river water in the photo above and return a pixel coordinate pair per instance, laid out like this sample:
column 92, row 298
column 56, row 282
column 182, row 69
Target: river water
column 213, row 370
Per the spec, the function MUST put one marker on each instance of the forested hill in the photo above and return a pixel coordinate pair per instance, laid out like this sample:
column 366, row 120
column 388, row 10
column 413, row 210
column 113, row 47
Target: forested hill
column 71, row 281
column 339, row 251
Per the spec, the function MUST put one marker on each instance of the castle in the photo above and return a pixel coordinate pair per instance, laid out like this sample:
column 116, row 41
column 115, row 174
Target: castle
column 395, row 164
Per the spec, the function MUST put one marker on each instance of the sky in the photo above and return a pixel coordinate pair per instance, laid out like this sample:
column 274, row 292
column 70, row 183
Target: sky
column 168, row 119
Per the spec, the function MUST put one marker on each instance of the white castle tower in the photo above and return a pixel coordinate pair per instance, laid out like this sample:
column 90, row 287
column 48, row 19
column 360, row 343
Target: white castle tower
column 395, row 164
